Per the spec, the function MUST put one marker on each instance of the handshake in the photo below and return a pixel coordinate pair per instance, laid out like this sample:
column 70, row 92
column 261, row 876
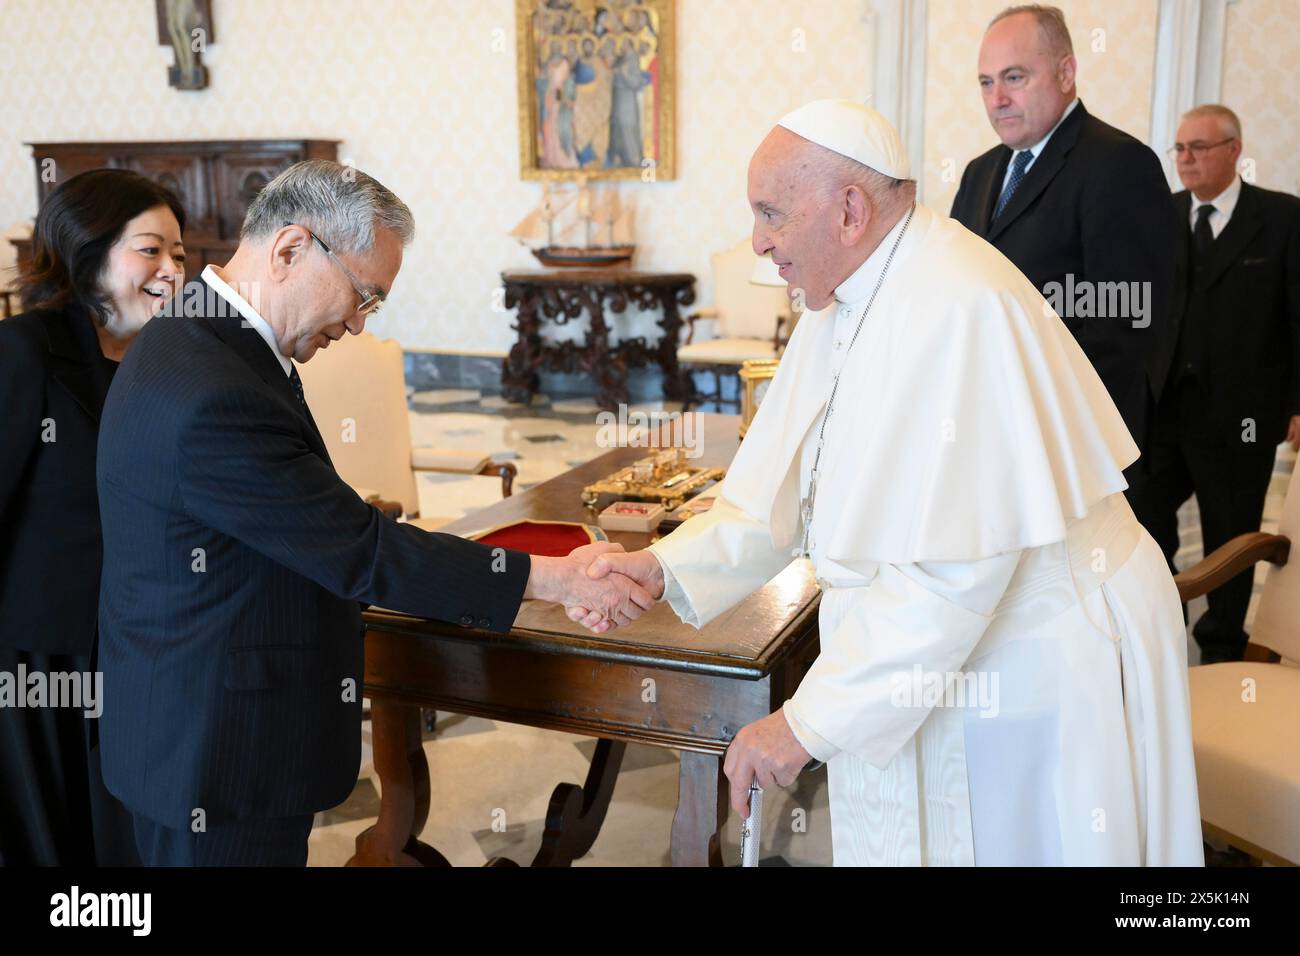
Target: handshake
column 600, row 585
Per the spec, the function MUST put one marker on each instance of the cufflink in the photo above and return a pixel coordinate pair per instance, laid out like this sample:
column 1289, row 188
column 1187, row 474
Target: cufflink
column 466, row 620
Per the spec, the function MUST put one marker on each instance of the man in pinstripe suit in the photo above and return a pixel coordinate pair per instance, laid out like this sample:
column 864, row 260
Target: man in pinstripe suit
column 236, row 562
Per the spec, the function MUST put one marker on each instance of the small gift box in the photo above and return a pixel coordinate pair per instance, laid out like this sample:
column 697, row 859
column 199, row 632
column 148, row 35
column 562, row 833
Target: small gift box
column 631, row 516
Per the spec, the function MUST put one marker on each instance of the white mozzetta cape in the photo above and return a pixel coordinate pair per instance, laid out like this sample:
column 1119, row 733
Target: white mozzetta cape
column 988, row 427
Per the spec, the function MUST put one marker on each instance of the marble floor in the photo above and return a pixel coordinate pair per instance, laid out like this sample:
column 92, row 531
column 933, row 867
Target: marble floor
column 492, row 780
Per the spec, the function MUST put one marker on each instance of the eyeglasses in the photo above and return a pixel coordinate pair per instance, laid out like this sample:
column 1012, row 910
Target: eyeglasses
column 370, row 301
column 1196, row 149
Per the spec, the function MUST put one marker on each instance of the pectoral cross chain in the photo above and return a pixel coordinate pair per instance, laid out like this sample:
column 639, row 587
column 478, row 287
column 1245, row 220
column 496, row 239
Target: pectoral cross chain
column 806, row 504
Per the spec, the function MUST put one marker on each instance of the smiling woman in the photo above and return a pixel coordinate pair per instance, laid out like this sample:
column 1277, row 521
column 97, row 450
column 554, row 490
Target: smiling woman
column 108, row 246
column 108, row 255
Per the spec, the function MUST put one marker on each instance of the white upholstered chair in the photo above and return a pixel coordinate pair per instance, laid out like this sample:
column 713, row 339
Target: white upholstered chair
column 1246, row 714
column 357, row 393
column 746, row 319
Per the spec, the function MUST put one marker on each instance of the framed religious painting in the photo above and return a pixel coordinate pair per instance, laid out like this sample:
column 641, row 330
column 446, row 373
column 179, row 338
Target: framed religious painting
column 597, row 89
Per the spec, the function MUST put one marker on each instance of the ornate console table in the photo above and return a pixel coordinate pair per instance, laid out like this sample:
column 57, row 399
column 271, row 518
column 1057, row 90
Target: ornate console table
column 564, row 295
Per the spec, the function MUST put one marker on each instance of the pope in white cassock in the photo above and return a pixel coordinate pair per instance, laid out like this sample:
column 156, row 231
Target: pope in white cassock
column 1003, row 676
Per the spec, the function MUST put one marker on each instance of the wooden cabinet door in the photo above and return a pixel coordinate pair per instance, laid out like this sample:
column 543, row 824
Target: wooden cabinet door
column 239, row 178
column 58, row 166
column 186, row 176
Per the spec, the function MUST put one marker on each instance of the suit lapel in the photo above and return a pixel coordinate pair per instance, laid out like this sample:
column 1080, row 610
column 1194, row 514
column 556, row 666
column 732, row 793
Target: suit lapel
column 991, row 189
column 1044, row 170
column 1245, row 224
column 253, row 349
column 305, row 409
column 77, row 362
column 1182, row 249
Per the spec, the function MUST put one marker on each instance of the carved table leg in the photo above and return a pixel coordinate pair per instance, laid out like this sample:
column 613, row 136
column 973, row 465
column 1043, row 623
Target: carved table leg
column 677, row 382
column 701, row 811
column 575, row 814
column 519, row 370
column 404, row 791
column 608, row 366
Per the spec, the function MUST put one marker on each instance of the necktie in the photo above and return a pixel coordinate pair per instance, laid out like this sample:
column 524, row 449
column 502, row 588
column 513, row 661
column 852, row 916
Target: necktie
column 1191, row 344
column 296, row 382
column 1203, row 234
column 1023, row 158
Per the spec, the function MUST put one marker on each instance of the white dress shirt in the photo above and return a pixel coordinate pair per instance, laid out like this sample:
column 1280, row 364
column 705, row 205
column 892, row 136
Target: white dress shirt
column 212, row 276
column 1037, row 149
column 1223, row 204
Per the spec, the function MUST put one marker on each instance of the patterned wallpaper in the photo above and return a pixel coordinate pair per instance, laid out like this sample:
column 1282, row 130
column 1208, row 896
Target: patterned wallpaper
column 423, row 96
column 1261, row 83
column 1114, row 43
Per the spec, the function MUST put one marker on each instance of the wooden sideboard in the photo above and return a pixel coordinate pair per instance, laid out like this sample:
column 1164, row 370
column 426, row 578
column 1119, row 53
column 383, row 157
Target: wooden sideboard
column 215, row 180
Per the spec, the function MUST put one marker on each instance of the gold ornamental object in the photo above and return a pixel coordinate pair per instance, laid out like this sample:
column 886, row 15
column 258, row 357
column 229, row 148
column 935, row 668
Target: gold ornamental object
column 664, row 477
column 755, row 377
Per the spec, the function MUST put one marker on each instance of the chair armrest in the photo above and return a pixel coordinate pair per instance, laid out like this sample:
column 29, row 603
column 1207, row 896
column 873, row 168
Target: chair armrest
column 453, row 460
column 507, row 471
column 1226, row 562
column 708, row 312
column 389, row 509
column 457, row 462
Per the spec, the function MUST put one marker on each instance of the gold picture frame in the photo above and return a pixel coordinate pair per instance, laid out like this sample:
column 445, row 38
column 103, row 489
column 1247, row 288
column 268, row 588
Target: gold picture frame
column 755, row 377
column 609, row 67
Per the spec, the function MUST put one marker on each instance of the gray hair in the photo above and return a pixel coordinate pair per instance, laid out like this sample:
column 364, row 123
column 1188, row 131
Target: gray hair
column 1051, row 24
column 1228, row 121
column 339, row 203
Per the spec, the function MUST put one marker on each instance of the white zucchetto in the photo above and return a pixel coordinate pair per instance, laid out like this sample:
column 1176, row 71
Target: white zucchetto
column 854, row 130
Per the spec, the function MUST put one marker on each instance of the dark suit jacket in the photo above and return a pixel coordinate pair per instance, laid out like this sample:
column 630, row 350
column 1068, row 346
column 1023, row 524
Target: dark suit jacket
column 235, row 558
column 53, row 379
column 1095, row 206
column 1249, row 291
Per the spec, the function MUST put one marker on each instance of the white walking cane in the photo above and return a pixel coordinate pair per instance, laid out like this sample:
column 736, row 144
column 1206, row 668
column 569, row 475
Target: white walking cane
column 751, row 829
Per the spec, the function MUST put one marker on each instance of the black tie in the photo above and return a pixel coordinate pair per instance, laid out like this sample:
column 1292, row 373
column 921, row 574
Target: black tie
column 1203, row 234
column 1191, row 341
column 296, row 382
column 1023, row 158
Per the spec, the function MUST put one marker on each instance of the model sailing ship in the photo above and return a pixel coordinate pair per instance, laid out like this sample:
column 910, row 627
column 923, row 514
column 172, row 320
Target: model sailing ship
column 565, row 228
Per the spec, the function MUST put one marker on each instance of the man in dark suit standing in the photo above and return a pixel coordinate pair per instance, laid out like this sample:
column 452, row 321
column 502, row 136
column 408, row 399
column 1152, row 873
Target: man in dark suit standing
column 1080, row 207
column 1230, row 375
column 236, row 561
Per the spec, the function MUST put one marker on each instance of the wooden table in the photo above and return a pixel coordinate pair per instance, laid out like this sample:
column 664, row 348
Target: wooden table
column 656, row 682
column 562, row 295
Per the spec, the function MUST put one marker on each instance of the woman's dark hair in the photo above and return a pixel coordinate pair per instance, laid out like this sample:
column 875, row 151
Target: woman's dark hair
column 75, row 228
